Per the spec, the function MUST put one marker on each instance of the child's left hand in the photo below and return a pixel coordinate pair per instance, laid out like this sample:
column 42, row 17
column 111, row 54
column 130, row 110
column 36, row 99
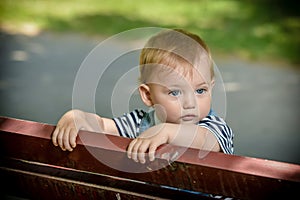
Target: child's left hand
column 149, row 141
column 186, row 135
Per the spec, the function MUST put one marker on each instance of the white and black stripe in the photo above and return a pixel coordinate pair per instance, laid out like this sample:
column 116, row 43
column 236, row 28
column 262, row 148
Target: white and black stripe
column 128, row 123
column 221, row 130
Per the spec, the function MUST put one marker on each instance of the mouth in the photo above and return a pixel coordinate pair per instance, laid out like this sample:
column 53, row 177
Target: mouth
column 188, row 117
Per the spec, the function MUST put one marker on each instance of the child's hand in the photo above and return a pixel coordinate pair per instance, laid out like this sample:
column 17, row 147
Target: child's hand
column 68, row 126
column 186, row 135
column 149, row 141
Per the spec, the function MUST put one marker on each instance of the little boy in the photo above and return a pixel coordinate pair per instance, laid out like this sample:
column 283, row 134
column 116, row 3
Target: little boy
column 176, row 81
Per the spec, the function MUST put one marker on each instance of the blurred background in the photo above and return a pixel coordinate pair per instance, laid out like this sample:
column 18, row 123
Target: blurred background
column 255, row 45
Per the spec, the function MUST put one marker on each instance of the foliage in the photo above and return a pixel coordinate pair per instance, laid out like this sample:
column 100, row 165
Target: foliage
column 262, row 30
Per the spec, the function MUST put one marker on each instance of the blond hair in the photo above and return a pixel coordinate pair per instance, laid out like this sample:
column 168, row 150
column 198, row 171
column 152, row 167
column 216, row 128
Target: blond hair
column 174, row 48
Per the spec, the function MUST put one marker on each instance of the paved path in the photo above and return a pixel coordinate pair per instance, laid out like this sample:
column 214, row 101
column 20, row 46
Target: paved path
column 37, row 76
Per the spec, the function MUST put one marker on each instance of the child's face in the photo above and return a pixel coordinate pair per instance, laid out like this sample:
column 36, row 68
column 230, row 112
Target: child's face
column 180, row 98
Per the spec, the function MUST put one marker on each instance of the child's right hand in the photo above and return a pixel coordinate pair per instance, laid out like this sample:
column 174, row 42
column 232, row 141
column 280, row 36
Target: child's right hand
column 68, row 126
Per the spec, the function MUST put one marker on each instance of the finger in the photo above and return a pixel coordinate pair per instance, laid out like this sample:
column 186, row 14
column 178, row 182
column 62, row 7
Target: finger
column 54, row 136
column 60, row 139
column 66, row 140
column 151, row 153
column 73, row 135
column 130, row 146
column 141, row 151
column 141, row 157
column 135, row 149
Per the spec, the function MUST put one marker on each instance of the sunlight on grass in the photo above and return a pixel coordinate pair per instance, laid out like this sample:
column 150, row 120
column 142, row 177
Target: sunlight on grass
column 230, row 27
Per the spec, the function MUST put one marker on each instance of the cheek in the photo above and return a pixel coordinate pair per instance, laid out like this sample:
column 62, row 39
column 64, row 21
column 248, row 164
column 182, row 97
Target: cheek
column 161, row 112
column 204, row 107
column 165, row 108
column 172, row 110
column 172, row 106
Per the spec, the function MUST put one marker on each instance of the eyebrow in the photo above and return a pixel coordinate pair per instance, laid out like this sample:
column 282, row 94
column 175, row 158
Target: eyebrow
column 198, row 85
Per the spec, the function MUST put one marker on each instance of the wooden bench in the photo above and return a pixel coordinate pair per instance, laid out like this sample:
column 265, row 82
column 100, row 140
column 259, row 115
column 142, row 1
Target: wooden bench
column 32, row 167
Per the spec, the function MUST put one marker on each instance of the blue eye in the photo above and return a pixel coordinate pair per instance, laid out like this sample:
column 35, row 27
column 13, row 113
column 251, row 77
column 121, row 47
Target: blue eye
column 200, row 91
column 174, row 93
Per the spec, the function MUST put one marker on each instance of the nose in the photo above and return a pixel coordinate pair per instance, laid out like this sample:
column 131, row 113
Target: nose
column 189, row 101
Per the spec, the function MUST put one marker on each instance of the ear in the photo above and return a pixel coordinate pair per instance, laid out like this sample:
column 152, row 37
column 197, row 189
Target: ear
column 145, row 94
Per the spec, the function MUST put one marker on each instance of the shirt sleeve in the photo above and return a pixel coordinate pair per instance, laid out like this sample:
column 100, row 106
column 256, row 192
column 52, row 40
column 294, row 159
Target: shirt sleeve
column 128, row 124
column 221, row 130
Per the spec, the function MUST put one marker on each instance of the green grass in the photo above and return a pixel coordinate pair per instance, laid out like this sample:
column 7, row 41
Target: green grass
column 256, row 31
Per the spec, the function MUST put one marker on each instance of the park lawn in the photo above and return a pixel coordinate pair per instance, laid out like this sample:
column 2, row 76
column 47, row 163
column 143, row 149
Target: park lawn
column 255, row 31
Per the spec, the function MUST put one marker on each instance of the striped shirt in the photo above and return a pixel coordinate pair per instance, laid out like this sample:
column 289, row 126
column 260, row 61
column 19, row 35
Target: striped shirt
column 132, row 124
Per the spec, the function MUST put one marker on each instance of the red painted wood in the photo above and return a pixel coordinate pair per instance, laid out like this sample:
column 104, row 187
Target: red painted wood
column 216, row 173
